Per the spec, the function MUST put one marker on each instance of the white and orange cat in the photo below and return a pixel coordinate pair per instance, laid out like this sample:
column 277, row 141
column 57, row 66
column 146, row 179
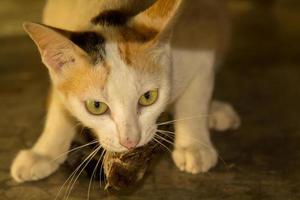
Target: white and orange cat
column 116, row 68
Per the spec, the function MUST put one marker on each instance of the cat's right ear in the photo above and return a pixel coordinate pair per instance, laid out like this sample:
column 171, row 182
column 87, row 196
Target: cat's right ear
column 56, row 50
column 157, row 21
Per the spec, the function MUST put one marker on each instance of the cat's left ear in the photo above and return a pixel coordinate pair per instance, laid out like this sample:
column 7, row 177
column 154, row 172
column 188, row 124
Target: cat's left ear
column 56, row 50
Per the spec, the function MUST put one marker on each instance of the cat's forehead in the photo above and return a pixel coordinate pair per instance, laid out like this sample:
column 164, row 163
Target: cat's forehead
column 118, row 66
column 132, row 47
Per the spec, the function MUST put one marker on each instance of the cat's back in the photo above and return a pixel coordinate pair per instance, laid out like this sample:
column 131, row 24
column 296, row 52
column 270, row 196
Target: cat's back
column 71, row 14
column 202, row 24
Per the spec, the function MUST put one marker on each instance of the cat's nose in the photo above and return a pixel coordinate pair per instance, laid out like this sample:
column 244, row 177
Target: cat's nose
column 129, row 143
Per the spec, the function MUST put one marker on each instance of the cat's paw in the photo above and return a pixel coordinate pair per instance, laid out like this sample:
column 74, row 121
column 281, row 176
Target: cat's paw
column 223, row 117
column 195, row 160
column 30, row 166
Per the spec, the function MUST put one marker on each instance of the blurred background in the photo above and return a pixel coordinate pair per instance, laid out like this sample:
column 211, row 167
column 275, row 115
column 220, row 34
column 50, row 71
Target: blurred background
column 260, row 77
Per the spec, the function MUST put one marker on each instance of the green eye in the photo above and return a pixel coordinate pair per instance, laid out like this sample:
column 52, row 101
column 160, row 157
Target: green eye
column 96, row 107
column 149, row 98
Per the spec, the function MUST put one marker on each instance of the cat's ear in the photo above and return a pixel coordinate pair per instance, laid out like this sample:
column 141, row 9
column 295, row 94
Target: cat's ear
column 55, row 48
column 157, row 20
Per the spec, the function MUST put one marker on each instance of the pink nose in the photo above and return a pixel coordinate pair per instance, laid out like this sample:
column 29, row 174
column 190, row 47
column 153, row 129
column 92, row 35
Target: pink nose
column 129, row 144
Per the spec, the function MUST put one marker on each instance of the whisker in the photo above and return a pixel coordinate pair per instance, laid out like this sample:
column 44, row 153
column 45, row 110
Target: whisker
column 66, row 196
column 72, row 186
column 76, row 170
column 195, row 139
column 76, row 148
column 166, row 140
column 100, row 175
column 171, row 137
column 91, row 179
column 71, row 176
column 182, row 119
column 162, row 144
column 173, row 133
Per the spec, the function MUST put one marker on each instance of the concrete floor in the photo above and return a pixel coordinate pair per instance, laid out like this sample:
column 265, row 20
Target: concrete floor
column 261, row 78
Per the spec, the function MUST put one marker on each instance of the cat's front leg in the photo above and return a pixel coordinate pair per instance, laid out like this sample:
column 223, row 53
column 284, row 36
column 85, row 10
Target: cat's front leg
column 193, row 150
column 45, row 157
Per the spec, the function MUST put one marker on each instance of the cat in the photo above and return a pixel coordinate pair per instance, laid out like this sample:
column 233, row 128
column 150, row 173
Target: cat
column 116, row 66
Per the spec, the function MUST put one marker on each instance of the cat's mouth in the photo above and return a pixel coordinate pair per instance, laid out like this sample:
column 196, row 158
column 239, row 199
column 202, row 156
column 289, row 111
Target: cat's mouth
column 111, row 147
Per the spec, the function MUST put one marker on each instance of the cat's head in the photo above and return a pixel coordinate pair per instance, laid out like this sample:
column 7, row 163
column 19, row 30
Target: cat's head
column 114, row 78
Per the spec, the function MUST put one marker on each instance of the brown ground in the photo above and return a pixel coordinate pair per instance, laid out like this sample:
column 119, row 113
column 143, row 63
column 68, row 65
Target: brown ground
column 261, row 78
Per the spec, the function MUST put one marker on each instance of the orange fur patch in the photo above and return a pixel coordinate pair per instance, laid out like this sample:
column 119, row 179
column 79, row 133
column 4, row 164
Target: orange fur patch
column 79, row 79
column 135, row 56
column 137, row 52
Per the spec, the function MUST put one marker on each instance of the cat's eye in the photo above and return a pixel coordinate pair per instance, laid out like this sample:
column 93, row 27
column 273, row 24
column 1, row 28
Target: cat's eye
column 96, row 107
column 149, row 98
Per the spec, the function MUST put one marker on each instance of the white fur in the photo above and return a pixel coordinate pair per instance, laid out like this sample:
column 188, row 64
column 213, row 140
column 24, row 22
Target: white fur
column 46, row 155
column 193, row 151
column 223, row 117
